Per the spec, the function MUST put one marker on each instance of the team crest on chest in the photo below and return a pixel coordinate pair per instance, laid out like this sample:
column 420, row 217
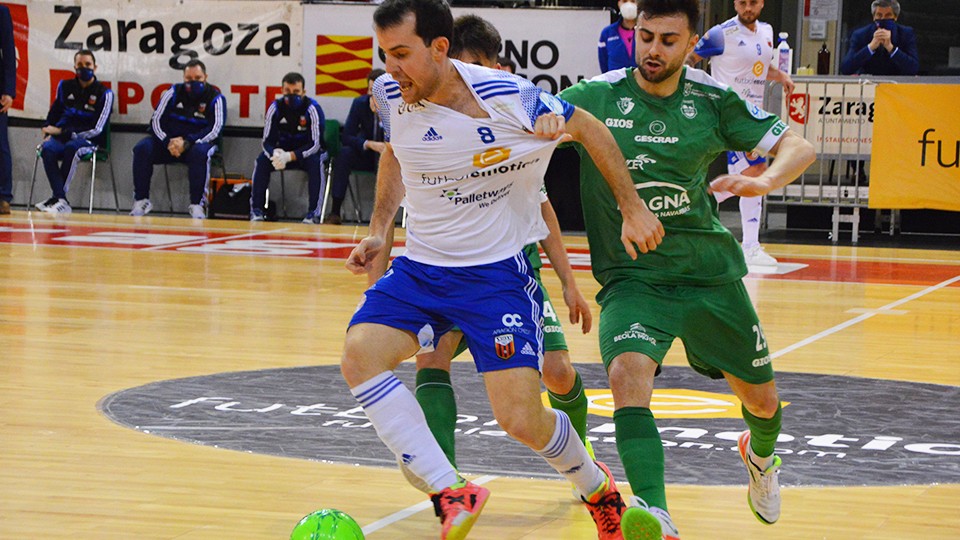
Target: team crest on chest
column 689, row 109
column 625, row 104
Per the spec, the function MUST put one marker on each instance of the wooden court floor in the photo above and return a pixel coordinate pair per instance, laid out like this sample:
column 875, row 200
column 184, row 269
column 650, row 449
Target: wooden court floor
column 83, row 315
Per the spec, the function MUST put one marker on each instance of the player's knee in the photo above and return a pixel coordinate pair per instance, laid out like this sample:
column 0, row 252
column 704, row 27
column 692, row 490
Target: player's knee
column 521, row 427
column 558, row 375
column 352, row 364
column 764, row 406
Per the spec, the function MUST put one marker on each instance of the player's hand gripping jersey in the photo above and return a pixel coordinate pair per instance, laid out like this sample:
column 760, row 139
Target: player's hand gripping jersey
column 668, row 143
column 472, row 184
column 739, row 57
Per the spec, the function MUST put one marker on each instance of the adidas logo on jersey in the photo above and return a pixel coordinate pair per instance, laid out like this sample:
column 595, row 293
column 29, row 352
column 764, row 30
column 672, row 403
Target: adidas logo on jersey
column 283, row 120
column 431, row 135
column 741, row 44
column 527, row 350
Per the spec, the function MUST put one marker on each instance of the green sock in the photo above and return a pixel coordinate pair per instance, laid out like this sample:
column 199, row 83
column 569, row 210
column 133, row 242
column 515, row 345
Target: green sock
column 763, row 432
column 574, row 403
column 641, row 452
column 435, row 394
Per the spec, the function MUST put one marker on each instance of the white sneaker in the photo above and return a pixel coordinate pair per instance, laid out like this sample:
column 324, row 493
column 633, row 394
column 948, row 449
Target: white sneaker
column 59, row 207
column 643, row 522
column 196, row 211
column 756, row 256
column 763, row 495
column 42, row 206
column 141, row 207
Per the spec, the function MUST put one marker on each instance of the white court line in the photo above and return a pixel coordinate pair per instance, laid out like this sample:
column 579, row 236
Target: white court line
column 210, row 240
column 407, row 512
column 865, row 316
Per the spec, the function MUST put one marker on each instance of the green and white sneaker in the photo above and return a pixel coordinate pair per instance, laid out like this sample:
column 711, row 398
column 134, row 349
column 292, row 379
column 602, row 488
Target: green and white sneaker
column 763, row 495
column 643, row 522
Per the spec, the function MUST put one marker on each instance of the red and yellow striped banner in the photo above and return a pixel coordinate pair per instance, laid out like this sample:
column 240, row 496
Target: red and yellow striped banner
column 343, row 63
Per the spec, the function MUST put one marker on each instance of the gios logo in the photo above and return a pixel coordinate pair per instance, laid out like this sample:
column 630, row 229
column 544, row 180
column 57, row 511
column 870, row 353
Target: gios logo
column 491, row 157
column 619, row 123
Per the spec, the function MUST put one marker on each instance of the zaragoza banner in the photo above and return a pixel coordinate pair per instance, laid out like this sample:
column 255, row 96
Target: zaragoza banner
column 916, row 147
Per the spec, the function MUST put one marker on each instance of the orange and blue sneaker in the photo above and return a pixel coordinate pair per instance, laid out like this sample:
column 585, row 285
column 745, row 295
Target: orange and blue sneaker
column 458, row 507
column 606, row 507
column 763, row 495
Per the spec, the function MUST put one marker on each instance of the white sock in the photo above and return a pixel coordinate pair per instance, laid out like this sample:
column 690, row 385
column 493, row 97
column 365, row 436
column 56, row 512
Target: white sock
column 750, row 209
column 400, row 424
column 565, row 453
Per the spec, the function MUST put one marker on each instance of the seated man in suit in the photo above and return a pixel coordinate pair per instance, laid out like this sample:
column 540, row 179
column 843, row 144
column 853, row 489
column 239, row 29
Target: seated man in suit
column 75, row 126
column 184, row 129
column 292, row 138
column 882, row 47
column 362, row 139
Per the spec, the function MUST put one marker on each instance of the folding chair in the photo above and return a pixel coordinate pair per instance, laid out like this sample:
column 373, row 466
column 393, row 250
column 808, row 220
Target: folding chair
column 99, row 154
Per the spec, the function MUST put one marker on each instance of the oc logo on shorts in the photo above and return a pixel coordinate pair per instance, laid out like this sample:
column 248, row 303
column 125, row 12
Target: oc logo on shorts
column 512, row 320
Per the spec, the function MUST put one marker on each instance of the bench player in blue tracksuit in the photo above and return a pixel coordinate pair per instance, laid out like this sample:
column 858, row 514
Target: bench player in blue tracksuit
column 292, row 138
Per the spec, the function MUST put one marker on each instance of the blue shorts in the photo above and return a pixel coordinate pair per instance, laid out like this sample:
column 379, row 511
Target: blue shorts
column 737, row 162
column 498, row 307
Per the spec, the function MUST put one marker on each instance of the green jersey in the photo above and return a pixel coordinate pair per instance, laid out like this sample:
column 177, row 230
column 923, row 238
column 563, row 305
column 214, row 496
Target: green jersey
column 668, row 144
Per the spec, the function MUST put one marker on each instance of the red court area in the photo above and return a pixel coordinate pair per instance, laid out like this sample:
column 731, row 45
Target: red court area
column 280, row 243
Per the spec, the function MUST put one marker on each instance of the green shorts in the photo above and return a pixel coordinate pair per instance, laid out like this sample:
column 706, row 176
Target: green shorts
column 553, row 339
column 718, row 326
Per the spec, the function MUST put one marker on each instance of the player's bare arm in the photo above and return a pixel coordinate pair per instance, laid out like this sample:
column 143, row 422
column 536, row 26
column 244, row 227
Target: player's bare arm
column 775, row 75
column 794, row 154
column 557, row 253
column 640, row 226
column 390, row 192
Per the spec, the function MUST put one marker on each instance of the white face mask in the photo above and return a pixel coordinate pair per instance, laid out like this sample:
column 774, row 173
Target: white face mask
column 628, row 11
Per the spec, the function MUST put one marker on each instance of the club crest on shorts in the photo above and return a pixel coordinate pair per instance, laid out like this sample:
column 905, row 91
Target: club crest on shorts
column 504, row 345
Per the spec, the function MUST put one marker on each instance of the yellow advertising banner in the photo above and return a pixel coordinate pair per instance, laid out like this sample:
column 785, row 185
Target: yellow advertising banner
column 915, row 161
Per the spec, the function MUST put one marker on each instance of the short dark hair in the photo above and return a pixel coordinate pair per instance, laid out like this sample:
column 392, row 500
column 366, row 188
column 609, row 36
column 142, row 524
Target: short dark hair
column 476, row 35
column 507, row 63
column 375, row 74
column 652, row 9
column 293, row 78
column 434, row 18
column 195, row 62
column 85, row 52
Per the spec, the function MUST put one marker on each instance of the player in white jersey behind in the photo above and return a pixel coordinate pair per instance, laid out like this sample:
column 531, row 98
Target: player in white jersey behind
column 464, row 152
column 741, row 55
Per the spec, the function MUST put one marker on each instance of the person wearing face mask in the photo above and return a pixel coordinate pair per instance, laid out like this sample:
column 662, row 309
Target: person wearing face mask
column 882, row 47
column 362, row 140
column 74, row 128
column 616, row 48
column 292, row 139
column 184, row 129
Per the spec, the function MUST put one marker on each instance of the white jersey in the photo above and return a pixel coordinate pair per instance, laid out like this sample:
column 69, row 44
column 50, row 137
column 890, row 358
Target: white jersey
column 472, row 184
column 739, row 57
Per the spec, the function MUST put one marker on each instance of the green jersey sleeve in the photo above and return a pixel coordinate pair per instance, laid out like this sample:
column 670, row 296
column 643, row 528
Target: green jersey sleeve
column 746, row 127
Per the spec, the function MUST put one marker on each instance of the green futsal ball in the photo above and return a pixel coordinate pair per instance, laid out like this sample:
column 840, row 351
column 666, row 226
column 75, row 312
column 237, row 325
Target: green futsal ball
column 327, row 524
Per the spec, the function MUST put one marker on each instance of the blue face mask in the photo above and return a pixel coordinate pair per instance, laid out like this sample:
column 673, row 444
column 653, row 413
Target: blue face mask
column 293, row 100
column 195, row 88
column 85, row 74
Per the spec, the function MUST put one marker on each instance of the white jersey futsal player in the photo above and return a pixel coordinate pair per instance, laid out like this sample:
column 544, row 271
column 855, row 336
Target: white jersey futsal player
column 464, row 151
column 741, row 56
